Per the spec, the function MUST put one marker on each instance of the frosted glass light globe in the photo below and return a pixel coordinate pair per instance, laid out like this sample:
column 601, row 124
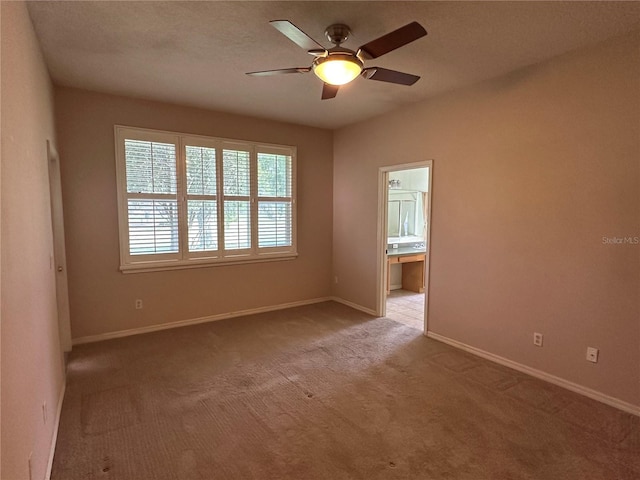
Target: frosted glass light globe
column 337, row 69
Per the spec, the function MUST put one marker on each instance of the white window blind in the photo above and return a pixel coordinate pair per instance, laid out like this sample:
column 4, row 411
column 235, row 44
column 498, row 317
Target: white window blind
column 202, row 199
column 274, row 200
column 151, row 197
column 237, row 199
column 196, row 201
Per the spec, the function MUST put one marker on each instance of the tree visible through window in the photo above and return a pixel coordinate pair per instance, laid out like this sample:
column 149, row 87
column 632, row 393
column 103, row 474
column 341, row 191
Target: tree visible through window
column 186, row 200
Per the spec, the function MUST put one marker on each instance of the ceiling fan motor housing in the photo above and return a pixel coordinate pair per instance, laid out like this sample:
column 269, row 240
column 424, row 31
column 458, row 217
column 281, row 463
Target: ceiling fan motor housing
column 337, row 33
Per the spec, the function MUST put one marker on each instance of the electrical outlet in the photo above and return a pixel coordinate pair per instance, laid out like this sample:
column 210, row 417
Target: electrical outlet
column 537, row 339
column 138, row 304
column 44, row 412
column 592, row 354
column 395, row 245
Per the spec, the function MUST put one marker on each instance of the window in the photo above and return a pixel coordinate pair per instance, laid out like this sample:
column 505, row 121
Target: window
column 193, row 201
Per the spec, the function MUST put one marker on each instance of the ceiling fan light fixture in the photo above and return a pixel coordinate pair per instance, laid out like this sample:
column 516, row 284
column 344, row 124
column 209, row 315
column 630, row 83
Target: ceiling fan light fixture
column 337, row 69
column 338, row 66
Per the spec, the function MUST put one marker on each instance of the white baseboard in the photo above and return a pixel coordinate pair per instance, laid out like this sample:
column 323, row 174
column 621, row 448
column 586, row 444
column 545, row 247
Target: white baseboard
column 561, row 382
column 54, row 437
column 354, row 305
column 194, row 321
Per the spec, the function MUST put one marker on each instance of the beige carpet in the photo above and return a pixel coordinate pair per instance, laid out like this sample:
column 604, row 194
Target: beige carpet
column 324, row 392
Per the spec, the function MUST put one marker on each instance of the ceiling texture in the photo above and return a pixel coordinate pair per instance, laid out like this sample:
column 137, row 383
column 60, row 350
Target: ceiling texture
column 197, row 53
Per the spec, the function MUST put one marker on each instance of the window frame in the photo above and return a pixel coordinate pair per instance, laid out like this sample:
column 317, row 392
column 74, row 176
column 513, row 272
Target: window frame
column 193, row 259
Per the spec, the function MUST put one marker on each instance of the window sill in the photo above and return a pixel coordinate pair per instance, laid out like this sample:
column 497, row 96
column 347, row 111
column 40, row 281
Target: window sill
column 145, row 267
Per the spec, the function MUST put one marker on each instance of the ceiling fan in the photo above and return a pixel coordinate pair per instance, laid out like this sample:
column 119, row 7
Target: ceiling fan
column 338, row 65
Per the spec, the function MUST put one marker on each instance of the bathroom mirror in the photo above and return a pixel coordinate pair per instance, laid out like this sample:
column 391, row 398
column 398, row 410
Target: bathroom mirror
column 407, row 209
column 406, row 219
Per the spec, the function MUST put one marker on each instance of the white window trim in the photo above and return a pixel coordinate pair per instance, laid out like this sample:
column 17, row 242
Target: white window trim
column 185, row 259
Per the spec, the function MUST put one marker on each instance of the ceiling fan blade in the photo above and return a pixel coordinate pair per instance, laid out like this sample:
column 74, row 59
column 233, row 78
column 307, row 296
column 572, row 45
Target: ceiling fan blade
column 280, row 71
column 296, row 35
column 329, row 91
column 391, row 76
column 396, row 39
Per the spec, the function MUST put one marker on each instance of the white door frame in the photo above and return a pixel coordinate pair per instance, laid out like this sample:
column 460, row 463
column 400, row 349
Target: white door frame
column 381, row 263
column 59, row 252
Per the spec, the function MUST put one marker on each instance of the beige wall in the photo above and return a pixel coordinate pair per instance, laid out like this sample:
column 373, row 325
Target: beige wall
column 102, row 298
column 32, row 366
column 531, row 170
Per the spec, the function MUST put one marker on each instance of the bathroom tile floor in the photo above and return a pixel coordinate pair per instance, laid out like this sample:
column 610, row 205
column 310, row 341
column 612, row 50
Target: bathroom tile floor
column 406, row 307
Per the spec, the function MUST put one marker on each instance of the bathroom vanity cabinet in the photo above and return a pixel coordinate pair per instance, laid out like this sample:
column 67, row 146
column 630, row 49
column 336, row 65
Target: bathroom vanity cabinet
column 413, row 266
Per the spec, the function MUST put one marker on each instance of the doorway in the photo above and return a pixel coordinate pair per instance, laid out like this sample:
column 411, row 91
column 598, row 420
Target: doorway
column 59, row 252
column 404, row 213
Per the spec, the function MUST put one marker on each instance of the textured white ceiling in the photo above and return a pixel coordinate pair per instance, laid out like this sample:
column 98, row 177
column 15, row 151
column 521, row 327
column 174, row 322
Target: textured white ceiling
column 197, row 53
